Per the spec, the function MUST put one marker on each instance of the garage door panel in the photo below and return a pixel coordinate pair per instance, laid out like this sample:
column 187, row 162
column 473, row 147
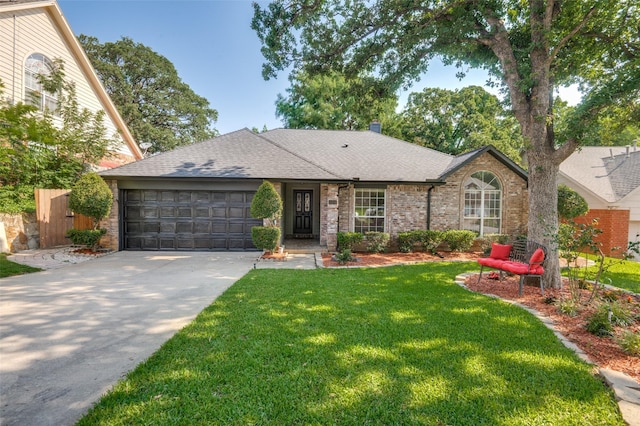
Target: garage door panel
column 167, row 212
column 201, row 212
column 183, row 212
column 132, row 212
column 150, row 243
column 202, row 228
column 168, row 227
column 168, row 196
column 167, row 244
column 151, row 227
column 184, row 227
column 187, row 220
column 150, row 196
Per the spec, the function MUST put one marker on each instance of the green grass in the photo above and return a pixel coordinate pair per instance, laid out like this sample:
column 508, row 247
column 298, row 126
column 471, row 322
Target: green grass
column 382, row 346
column 621, row 274
column 8, row 268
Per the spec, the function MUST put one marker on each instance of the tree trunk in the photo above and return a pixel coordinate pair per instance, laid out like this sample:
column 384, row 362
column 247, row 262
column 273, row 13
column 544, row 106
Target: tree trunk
column 543, row 202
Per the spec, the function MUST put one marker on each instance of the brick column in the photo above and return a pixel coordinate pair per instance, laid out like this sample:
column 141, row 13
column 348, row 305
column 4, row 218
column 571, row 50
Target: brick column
column 111, row 239
column 329, row 205
column 615, row 229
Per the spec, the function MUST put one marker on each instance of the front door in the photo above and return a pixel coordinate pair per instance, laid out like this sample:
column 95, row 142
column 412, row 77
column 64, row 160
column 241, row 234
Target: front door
column 304, row 212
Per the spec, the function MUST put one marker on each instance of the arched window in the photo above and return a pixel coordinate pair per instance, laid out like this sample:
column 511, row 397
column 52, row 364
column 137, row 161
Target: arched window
column 38, row 64
column 483, row 203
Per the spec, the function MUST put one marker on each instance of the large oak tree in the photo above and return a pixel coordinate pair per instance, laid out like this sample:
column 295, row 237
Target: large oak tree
column 530, row 46
column 159, row 108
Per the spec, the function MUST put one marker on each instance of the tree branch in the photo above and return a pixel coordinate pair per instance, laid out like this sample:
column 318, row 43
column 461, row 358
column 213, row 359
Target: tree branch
column 570, row 35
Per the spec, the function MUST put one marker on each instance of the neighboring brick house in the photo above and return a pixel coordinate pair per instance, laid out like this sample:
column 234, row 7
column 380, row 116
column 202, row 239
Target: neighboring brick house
column 197, row 197
column 608, row 178
column 33, row 34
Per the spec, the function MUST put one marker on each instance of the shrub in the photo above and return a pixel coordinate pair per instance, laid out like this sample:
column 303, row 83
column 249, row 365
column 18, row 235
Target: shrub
column 430, row 240
column 86, row 237
column 344, row 256
column 598, row 323
column 606, row 315
column 91, row 197
column 265, row 237
column 266, row 204
column 346, row 240
column 459, row 240
column 426, row 240
column 570, row 203
column 630, row 342
column 406, row 241
column 377, row 242
column 568, row 307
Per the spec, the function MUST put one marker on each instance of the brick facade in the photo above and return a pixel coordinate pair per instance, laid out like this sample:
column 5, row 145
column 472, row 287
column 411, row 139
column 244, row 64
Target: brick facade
column 406, row 208
column 615, row 229
column 406, row 205
column 447, row 201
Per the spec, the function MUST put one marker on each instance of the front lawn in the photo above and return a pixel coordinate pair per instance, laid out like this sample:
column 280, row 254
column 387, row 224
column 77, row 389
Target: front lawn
column 620, row 274
column 8, row 268
column 389, row 346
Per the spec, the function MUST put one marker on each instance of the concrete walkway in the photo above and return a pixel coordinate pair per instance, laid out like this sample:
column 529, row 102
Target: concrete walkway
column 69, row 333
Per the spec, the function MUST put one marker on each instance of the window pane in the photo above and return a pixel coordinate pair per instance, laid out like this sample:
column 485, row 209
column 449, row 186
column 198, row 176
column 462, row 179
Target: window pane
column 482, row 203
column 369, row 210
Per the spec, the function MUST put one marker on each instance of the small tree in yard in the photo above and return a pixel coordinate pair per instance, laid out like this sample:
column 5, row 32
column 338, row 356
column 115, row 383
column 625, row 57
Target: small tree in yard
column 91, row 197
column 266, row 204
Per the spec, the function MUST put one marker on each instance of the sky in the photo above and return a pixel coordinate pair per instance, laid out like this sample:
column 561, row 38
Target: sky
column 215, row 51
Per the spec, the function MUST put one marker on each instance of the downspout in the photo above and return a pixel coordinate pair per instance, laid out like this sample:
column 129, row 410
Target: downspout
column 429, row 207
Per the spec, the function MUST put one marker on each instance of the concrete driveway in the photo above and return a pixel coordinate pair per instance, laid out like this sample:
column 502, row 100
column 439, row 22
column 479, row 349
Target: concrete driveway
column 67, row 335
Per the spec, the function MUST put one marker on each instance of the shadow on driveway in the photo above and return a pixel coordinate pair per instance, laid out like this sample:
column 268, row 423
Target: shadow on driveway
column 67, row 335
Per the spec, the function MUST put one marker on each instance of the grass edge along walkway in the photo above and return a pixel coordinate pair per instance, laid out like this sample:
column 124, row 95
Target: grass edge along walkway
column 398, row 345
column 9, row 268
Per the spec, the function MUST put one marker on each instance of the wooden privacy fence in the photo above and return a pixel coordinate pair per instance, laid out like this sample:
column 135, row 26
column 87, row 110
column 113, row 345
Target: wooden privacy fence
column 55, row 218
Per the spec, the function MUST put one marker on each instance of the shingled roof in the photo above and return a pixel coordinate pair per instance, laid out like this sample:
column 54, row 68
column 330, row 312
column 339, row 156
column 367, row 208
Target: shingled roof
column 293, row 154
column 609, row 172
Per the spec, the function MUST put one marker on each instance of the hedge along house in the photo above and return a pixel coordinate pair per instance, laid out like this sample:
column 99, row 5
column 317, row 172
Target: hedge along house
column 198, row 197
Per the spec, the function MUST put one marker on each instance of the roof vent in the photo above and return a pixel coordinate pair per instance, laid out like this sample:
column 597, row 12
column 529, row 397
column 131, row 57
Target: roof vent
column 375, row 126
column 628, row 151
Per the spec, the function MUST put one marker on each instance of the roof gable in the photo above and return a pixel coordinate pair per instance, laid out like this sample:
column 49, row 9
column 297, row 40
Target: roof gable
column 52, row 10
column 466, row 158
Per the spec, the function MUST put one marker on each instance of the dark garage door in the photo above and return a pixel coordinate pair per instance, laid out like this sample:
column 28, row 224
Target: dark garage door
column 187, row 220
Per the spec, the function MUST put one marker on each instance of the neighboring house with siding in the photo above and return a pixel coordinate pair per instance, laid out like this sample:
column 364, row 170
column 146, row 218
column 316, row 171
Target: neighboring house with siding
column 32, row 35
column 608, row 178
column 197, row 197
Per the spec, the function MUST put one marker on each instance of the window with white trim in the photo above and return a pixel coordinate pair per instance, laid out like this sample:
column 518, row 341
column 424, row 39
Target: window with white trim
column 369, row 210
column 483, row 203
column 34, row 94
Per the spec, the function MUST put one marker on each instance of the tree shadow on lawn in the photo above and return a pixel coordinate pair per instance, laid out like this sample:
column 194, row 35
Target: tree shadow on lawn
column 400, row 345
